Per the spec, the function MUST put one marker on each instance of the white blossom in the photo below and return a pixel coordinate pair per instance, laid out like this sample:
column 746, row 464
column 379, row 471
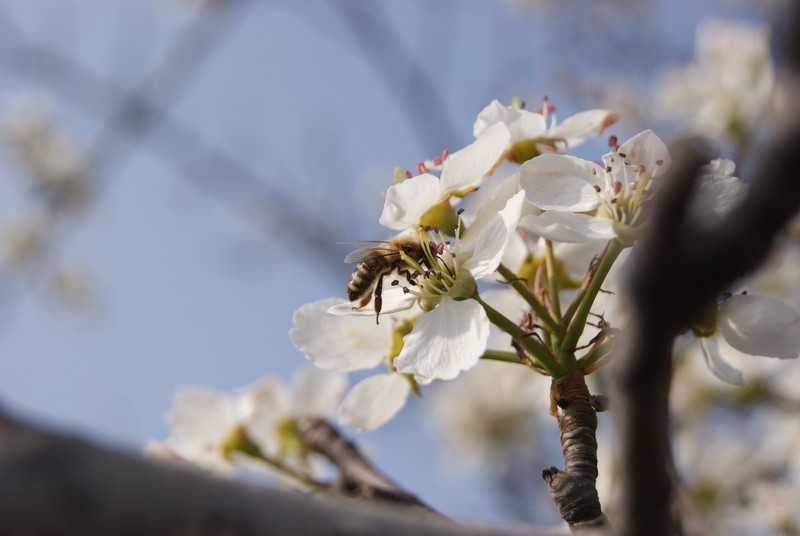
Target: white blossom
column 346, row 343
column 525, row 125
column 751, row 325
column 410, row 202
column 585, row 201
column 727, row 85
column 206, row 425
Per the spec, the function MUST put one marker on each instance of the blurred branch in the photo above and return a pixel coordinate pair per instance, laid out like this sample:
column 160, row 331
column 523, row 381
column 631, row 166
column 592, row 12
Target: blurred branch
column 57, row 484
column 144, row 111
column 680, row 268
column 402, row 75
column 358, row 477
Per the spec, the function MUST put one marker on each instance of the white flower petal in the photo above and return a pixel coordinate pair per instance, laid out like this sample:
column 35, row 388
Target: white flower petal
column 394, row 301
column 647, row 149
column 717, row 364
column 760, row 326
column 494, row 113
column 582, row 125
column 516, row 252
column 201, row 417
column 408, row 200
column 342, row 343
column 466, row 168
column 445, row 341
column 528, row 125
column 372, row 402
column 271, row 402
column 560, row 182
column 577, row 256
column 489, row 202
column 491, row 242
column 317, row 392
column 568, row 227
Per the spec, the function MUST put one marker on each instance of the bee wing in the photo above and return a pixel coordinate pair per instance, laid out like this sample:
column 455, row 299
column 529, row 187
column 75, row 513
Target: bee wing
column 358, row 255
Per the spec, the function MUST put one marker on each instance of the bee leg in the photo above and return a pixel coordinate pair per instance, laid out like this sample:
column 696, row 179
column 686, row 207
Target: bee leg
column 378, row 299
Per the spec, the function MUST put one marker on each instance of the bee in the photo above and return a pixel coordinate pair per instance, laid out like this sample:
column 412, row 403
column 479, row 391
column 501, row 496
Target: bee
column 376, row 261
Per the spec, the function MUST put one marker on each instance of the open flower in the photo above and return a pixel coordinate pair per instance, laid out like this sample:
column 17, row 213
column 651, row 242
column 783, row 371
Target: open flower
column 348, row 343
column 584, row 201
column 452, row 333
column 746, row 324
column 209, row 427
column 531, row 134
column 427, row 199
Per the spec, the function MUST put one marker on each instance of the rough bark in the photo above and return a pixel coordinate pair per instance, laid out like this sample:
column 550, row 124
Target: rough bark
column 573, row 490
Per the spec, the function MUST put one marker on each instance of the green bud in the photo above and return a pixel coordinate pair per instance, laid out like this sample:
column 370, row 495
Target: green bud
column 289, row 443
column 401, row 329
column 239, row 441
column 524, row 150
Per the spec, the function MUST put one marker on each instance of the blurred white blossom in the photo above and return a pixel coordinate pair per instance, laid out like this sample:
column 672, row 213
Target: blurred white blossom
column 726, row 87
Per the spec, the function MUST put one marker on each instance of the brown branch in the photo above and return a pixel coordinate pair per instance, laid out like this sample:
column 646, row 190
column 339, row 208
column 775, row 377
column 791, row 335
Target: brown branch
column 56, row 484
column 573, row 489
column 358, row 477
column 678, row 270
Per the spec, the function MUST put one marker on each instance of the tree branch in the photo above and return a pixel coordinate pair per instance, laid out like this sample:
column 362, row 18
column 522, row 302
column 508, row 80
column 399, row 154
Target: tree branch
column 358, row 477
column 573, row 489
column 678, row 270
column 54, row 483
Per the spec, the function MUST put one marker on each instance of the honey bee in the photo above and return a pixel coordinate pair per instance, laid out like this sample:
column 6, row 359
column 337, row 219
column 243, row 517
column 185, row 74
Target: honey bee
column 376, row 261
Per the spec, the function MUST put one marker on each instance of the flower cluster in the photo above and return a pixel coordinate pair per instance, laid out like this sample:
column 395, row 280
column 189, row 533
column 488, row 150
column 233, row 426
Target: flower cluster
column 508, row 250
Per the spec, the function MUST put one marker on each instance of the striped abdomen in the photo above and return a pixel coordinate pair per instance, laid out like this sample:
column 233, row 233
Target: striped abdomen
column 366, row 276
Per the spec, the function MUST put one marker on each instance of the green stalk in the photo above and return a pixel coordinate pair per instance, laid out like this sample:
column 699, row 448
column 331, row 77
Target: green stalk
column 597, row 353
column 534, row 347
column 499, row 355
column 578, row 323
column 240, row 442
column 552, row 281
column 541, row 311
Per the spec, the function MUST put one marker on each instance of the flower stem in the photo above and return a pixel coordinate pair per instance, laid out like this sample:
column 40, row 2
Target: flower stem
column 541, row 311
column 596, row 354
column 578, row 323
column 245, row 445
column 552, row 280
column 534, row 347
column 499, row 355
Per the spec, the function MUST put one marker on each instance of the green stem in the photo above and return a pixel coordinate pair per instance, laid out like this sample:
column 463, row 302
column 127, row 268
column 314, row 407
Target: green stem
column 241, row 442
column 499, row 355
column 595, row 355
column 573, row 306
column 552, row 281
column 534, row 347
column 578, row 323
column 541, row 311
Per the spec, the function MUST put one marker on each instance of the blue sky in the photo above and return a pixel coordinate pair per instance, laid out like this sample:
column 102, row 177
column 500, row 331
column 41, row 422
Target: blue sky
column 192, row 291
